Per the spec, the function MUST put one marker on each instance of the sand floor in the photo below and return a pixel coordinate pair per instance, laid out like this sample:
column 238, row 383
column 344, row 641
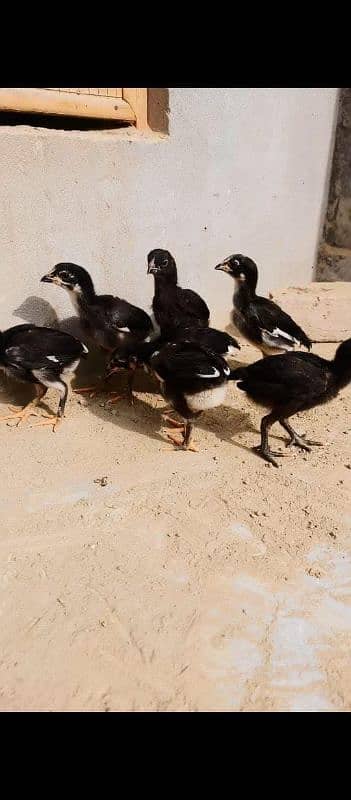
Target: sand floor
column 190, row 581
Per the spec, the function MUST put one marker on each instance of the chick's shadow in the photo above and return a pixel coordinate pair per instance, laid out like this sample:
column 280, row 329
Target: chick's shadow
column 145, row 418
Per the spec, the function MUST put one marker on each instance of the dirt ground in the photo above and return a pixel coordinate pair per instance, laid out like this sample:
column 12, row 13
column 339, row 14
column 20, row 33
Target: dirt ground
column 190, row 581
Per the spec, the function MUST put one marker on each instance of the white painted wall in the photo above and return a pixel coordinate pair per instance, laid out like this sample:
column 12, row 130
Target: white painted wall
column 243, row 170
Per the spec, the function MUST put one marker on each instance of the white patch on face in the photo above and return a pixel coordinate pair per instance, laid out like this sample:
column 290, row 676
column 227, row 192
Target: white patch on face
column 210, row 398
column 124, row 330
column 85, row 349
column 231, row 350
column 53, row 358
column 74, row 294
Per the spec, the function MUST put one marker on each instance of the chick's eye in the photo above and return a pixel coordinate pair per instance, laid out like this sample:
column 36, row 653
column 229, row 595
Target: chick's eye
column 165, row 262
column 236, row 262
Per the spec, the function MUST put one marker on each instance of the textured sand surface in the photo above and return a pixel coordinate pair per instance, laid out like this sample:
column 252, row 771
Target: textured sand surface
column 190, row 581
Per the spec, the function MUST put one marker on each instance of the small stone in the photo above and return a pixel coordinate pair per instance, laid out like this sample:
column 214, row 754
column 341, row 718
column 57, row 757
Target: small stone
column 102, row 481
column 315, row 573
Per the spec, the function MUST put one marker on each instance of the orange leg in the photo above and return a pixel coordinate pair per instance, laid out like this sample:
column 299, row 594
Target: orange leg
column 23, row 414
column 28, row 410
column 186, row 443
column 53, row 420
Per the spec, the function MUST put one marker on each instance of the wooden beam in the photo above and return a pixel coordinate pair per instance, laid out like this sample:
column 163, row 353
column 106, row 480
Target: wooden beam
column 47, row 101
column 137, row 99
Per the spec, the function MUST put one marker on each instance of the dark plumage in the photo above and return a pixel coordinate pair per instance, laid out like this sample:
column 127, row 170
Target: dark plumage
column 173, row 306
column 192, row 379
column 210, row 338
column 41, row 356
column 130, row 356
column 290, row 383
column 107, row 320
column 258, row 319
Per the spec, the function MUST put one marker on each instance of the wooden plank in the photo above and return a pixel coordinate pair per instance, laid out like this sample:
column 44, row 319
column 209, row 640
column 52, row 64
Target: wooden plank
column 137, row 98
column 115, row 92
column 102, row 92
column 46, row 101
column 65, row 89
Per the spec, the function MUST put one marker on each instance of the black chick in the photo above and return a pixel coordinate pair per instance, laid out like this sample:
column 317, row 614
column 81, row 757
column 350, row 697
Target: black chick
column 173, row 306
column 192, row 379
column 291, row 383
column 129, row 356
column 258, row 319
column 108, row 320
column 41, row 356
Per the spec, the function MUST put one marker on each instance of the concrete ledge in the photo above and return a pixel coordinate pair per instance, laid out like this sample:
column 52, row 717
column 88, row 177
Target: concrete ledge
column 323, row 309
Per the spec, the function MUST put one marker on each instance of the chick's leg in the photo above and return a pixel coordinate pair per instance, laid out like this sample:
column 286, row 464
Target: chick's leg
column 186, row 443
column 55, row 419
column 263, row 449
column 129, row 393
column 298, row 439
column 174, row 423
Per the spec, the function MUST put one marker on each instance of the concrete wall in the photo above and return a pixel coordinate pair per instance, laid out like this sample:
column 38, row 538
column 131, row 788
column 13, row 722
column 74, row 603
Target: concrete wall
column 334, row 263
column 243, row 170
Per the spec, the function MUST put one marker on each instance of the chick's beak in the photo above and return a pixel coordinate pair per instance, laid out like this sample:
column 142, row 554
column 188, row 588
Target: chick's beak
column 151, row 268
column 223, row 267
column 51, row 279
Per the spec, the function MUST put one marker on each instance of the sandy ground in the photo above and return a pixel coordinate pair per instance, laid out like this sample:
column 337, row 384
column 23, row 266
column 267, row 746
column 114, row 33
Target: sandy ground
column 190, row 581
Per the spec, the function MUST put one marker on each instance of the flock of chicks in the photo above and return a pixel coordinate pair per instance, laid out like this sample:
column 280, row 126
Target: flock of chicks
column 186, row 356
